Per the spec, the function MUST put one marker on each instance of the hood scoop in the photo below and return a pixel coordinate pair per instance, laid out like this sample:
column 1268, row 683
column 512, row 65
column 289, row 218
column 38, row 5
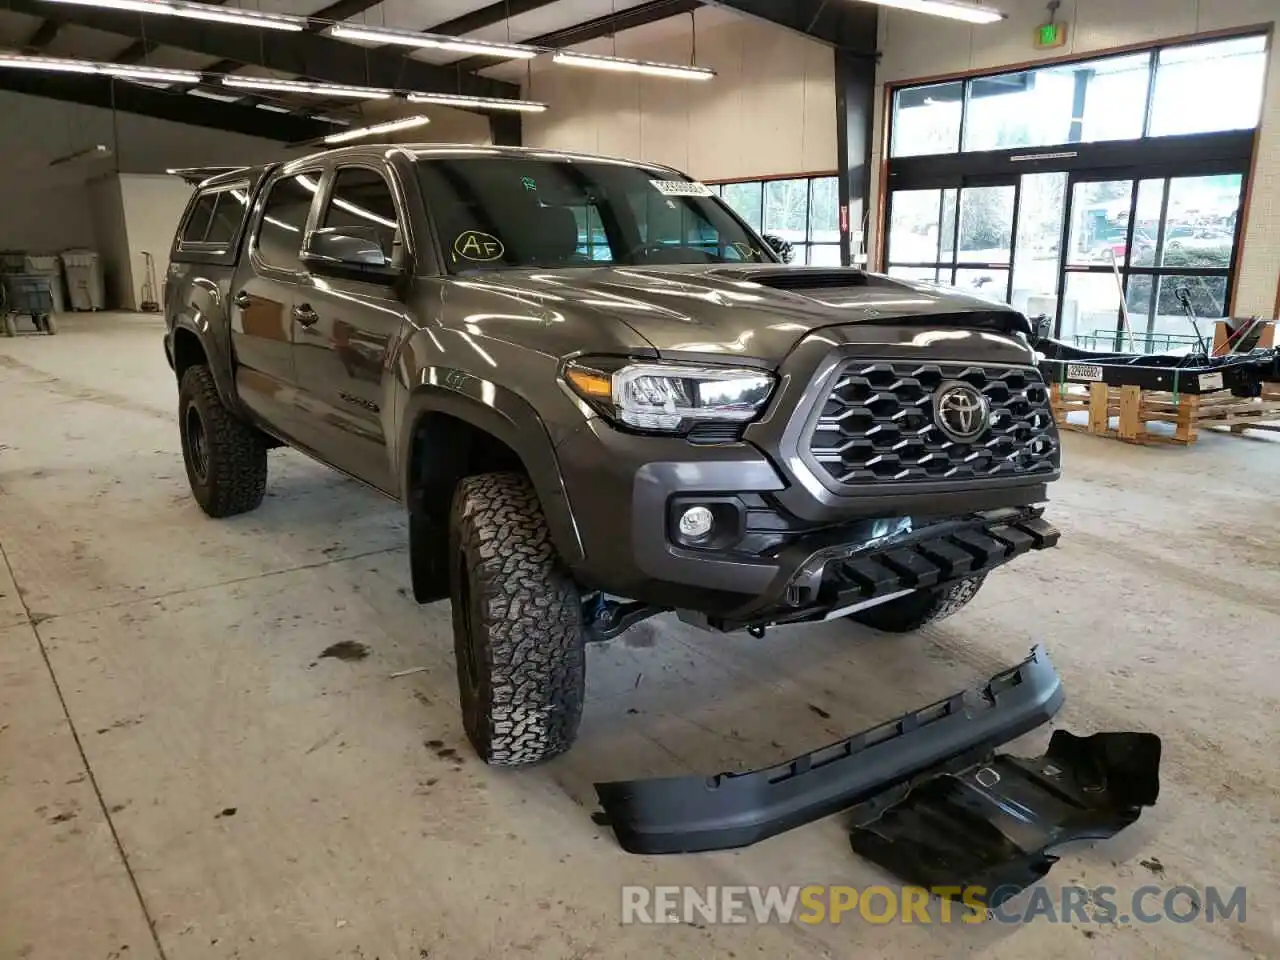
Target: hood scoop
column 801, row 278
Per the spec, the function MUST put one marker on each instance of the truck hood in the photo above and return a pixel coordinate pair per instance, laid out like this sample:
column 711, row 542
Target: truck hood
column 754, row 311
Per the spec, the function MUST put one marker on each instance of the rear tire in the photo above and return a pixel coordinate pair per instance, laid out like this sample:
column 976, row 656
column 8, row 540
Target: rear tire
column 50, row 325
column 517, row 624
column 10, row 327
column 225, row 457
column 922, row 607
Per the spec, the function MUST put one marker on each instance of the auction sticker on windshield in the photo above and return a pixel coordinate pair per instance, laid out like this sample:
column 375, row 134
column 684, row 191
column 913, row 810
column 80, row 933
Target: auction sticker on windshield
column 478, row 246
column 682, row 188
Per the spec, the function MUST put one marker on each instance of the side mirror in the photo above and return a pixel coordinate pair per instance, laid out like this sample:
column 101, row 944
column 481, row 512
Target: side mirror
column 786, row 253
column 352, row 251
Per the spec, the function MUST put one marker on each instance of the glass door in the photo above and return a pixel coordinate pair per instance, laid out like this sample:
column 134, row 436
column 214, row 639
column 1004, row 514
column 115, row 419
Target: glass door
column 961, row 236
column 1150, row 238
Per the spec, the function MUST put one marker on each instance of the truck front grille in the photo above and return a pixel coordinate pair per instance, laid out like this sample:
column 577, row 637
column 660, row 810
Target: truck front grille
column 879, row 424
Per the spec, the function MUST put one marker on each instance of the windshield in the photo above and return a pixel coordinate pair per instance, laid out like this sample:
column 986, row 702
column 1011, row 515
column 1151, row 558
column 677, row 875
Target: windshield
column 501, row 212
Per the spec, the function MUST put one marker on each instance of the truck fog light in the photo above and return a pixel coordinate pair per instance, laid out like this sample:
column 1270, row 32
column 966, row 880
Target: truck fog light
column 696, row 523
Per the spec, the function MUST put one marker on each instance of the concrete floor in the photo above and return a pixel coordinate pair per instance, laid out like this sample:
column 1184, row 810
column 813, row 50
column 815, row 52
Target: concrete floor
column 181, row 776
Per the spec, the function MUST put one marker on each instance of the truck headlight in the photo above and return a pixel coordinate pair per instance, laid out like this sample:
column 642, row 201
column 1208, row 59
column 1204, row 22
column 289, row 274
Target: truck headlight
column 670, row 397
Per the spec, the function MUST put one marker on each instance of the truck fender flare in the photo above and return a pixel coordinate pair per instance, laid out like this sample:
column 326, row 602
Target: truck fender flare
column 195, row 320
column 508, row 417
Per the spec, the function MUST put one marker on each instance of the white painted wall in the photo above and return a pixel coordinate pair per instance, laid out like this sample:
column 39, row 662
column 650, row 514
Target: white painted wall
column 917, row 46
column 153, row 205
column 769, row 112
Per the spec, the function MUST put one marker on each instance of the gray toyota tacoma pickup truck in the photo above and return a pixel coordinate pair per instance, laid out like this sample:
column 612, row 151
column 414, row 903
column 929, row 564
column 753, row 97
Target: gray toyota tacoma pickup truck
column 599, row 395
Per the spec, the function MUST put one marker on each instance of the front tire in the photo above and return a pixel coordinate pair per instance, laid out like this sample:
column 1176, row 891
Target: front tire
column 225, row 457
column 922, row 607
column 517, row 624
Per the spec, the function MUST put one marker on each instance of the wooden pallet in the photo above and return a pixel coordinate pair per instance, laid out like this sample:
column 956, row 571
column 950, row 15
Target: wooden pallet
column 1133, row 408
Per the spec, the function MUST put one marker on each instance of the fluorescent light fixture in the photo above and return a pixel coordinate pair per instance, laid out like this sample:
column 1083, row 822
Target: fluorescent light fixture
column 211, row 95
column 198, row 11
column 141, row 74
column 624, row 65
column 272, row 108
column 305, row 86
column 953, row 9
column 432, row 41
column 477, row 103
column 153, row 74
column 52, row 64
column 391, row 126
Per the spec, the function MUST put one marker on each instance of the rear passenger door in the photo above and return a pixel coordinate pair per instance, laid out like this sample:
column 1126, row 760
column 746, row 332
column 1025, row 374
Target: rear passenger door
column 263, row 299
column 343, row 350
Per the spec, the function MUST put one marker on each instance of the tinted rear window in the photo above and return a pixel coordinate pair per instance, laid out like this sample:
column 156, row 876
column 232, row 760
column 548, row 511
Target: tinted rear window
column 197, row 224
column 216, row 215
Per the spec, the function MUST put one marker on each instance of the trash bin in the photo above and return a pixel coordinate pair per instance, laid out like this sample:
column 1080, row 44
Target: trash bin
column 84, row 279
column 48, row 266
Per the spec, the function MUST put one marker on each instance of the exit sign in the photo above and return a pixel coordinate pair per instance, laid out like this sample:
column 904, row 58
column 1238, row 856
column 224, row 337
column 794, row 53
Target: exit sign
column 1050, row 35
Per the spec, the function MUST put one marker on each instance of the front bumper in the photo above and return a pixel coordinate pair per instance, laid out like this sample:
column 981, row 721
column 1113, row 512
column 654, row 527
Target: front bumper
column 624, row 489
column 695, row 813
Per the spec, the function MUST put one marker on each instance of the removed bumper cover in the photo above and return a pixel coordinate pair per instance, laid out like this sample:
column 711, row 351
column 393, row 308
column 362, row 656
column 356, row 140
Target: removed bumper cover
column 985, row 829
column 695, row 813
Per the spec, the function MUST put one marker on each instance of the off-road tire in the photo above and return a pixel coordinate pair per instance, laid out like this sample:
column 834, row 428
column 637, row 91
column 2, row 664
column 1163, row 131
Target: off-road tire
column 919, row 608
column 234, row 475
column 517, row 624
column 9, row 325
column 50, row 325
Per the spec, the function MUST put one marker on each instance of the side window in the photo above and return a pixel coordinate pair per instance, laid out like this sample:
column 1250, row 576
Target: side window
column 227, row 216
column 197, row 225
column 284, row 219
column 362, row 198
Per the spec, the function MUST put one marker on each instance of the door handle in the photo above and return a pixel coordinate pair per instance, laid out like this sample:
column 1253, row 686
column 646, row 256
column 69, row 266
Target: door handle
column 242, row 300
column 305, row 315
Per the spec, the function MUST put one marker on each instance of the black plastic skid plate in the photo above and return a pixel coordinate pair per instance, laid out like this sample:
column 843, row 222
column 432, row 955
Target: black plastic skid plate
column 695, row 813
column 986, row 829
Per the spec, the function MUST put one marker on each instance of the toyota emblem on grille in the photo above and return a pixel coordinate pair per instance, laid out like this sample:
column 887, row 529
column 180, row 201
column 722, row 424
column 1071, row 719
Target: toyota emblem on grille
column 961, row 411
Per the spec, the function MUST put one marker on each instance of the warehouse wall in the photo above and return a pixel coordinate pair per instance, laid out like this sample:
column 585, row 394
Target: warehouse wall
column 917, row 46
column 110, row 237
column 769, row 112
column 45, row 208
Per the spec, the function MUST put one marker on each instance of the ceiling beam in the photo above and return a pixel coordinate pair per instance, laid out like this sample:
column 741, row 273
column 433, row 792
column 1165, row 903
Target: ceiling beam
column 487, row 16
column 44, row 34
column 339, row 11
column 300, row 54
column 104, row 92
column 849, row 26
column 139, row 50
column 135, row 52
column 605, row 26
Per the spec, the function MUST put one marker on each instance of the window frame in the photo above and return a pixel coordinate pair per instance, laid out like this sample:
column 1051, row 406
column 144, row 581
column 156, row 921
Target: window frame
column 1153, row 52
column 1141, row 158
column 324, row 199
column 199, row 251
column 260, row 263
column 803, row 247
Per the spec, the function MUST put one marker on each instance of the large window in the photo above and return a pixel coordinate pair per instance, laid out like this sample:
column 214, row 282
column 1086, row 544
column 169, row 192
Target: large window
column 804, row 211
column 1188, row 88
column 1102, row 193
